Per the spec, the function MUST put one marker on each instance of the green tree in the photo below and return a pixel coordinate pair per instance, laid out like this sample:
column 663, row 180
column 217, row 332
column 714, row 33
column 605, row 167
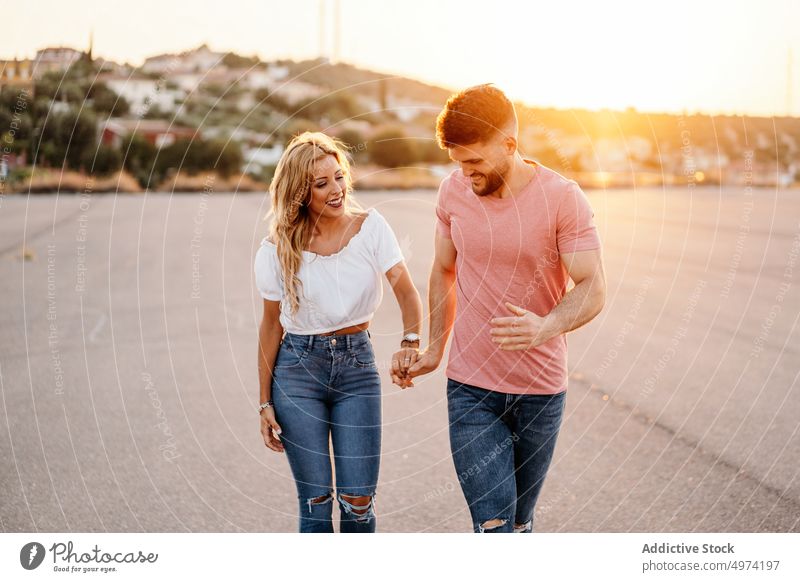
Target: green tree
column 235, row 61
column 273, row 101
column 16, row 122
column 78, row 87
column 67, row 136
column 104, row 100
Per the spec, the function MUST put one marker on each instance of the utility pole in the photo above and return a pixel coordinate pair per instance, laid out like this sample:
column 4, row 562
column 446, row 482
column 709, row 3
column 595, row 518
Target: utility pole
column 789, row 81
column 337, row 30
column 322, row 51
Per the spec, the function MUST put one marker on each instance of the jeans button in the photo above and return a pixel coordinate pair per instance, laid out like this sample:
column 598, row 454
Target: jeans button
column 333, row 342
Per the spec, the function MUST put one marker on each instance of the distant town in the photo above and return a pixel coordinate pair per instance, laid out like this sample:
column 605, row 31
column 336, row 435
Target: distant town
column 69, row 118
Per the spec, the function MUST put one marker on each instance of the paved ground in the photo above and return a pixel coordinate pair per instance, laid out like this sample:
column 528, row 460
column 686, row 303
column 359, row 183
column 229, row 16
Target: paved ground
column 128, row 378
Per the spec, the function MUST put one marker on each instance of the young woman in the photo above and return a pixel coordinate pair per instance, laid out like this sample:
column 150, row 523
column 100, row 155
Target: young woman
column 319, row 273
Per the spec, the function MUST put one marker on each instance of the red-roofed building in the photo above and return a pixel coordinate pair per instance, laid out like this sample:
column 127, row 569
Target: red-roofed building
column 158, row 132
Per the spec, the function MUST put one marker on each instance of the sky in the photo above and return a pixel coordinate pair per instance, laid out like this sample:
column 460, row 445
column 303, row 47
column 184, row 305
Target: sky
column 694, row 56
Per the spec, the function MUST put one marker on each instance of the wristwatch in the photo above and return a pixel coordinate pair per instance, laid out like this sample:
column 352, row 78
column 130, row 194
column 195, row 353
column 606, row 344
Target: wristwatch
column 412, row 338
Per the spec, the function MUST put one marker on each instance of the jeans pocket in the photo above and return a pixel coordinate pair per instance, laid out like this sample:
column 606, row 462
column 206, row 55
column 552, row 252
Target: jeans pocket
column 363, row 356
column 289, row 356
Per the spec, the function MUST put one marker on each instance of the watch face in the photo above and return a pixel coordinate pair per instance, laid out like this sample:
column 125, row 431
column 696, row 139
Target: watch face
column 411, row 337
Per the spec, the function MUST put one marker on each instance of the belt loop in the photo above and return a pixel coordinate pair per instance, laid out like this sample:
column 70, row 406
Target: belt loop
column 310, row 341
column 349, row 337
column 369, row 335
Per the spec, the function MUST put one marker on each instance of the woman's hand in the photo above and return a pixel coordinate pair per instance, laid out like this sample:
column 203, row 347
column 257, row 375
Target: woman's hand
column 411, row 308
column 402, row 360
column 270, row 429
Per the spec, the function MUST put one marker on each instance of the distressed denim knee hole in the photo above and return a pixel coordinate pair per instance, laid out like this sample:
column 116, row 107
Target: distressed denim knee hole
column 491, row 524
column 322, row 499
column 361, row 506
column 526, row 527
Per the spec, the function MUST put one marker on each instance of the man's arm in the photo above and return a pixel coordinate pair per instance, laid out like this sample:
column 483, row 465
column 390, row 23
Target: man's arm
column 583, row 302
column 579, row 306
column 441, row 304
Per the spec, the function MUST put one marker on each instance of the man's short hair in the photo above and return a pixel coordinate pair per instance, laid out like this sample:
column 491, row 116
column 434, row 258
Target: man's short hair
column 474, row 115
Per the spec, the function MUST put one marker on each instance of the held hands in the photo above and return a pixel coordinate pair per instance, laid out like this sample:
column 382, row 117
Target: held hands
column 424, row 363
column 270, row 429
column 523, row 331
column 402, row 360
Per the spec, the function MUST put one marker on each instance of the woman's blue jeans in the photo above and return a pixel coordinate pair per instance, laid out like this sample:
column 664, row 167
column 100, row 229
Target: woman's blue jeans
column 327, row 389
column 502, row 445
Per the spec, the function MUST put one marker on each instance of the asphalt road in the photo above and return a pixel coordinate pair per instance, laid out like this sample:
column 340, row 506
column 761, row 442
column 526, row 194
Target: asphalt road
column 128, row 371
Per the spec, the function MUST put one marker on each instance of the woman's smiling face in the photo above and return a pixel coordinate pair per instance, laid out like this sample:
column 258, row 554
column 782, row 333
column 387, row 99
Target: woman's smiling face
column 328, row 188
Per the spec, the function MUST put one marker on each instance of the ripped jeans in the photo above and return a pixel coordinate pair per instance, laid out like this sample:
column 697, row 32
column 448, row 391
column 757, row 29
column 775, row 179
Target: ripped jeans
column 502, row 445
column 327, row 389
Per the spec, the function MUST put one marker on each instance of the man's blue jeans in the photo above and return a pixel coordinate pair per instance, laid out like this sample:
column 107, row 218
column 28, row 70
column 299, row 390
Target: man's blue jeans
column 502, row 445
column 328, row 389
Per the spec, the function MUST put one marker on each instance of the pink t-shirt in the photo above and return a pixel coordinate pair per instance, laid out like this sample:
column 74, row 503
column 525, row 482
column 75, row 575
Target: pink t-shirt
column 509, row 250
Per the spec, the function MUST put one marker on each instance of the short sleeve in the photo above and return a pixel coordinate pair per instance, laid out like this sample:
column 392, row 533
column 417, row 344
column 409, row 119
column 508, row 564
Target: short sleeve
column 267, row 271
column 442, row 215
column 387, row 249
column 575, row 228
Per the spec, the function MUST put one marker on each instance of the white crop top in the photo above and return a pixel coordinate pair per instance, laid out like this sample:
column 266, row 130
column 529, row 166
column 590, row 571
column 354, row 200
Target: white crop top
column 338, row 290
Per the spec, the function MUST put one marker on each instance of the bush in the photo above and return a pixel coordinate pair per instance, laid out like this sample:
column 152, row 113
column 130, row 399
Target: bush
column 106, row 160
column 198, row 155
column 391, row 148
column 296, row 126
column 355, row 142
column 430, row 152
column 138, row 159
column 221, row 155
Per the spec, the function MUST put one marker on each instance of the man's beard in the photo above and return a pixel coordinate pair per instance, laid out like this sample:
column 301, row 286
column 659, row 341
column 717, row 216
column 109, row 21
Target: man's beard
column 492, row 182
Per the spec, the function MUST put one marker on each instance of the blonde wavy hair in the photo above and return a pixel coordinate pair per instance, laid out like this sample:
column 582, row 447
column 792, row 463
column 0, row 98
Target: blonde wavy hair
column 290, row 190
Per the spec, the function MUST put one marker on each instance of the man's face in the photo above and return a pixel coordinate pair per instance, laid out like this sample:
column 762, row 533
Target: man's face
column 485, row 164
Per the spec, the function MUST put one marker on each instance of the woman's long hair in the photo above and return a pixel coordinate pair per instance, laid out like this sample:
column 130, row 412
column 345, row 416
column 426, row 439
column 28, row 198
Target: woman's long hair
column 291, row 226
